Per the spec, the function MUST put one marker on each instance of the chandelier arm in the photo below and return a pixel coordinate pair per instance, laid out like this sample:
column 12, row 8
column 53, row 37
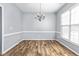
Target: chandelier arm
column 40, row 15
column 40, row 8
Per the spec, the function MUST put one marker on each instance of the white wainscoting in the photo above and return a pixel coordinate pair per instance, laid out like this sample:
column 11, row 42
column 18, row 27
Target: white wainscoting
column 10, row 34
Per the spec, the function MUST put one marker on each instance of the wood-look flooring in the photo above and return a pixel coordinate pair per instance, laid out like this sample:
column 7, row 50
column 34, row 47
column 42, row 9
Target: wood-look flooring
column 39, row 48
column 0, row 53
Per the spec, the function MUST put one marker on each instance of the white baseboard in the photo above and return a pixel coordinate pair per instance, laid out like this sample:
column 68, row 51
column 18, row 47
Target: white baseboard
column 38, row 39
column 68, row 47
column 11, row 47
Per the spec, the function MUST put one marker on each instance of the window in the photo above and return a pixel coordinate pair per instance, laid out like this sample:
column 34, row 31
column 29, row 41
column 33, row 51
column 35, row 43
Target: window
column 75, row 15
column 75, row 25
column 65, row 32
column 70, row 25
column 65, row 18
column 65, row 25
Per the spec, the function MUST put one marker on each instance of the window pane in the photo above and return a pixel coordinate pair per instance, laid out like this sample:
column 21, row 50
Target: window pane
column 75, row 34
column 75, row 15
column 65, row 32
column 65, row 18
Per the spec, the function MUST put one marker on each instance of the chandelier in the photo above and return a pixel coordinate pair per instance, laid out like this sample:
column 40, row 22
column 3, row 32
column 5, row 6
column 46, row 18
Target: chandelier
column 39, row 15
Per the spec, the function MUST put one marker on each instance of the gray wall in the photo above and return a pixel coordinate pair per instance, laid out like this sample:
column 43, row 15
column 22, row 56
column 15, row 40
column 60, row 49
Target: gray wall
column 12, row 19
column 12, row 24
column 34, row 29
column 31, row 24
column 0, row 29
column 58, row 36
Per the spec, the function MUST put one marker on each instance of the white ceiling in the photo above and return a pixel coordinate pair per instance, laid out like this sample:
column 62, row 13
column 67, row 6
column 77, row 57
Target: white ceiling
column 35, row 7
